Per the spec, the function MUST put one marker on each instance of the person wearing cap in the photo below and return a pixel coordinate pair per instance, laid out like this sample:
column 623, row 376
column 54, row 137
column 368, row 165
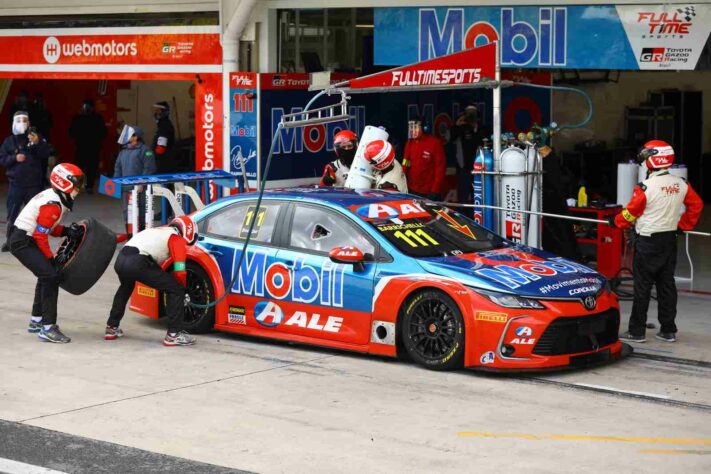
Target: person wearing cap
column 655, row 212
column 424, row 162
column 24, row 155
column 88, row 131
column 387, row 171
column 164, row 139
column 468, row 137
column 134, row 159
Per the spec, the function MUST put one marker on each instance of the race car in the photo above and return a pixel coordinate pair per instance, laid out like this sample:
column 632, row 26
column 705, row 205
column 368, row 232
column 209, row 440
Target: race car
column 391, row 274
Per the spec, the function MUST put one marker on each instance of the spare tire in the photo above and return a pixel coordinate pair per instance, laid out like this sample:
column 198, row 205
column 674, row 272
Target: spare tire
column 83, row 260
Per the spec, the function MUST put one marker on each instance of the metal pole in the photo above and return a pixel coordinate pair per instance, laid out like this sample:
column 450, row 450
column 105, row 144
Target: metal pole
column 556, row 216
column 497, row 136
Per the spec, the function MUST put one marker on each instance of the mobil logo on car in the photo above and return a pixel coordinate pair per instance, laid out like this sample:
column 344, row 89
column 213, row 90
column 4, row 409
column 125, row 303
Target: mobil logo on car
column 541, row 42
column 302, row 283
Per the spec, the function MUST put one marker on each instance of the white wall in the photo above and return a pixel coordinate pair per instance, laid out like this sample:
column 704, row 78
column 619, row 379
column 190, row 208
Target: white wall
column 610, row 100
column 139, row 100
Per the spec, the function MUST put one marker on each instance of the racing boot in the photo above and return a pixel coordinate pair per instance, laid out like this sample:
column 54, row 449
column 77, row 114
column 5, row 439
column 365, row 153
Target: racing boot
column 53, row 334
column 113, row 332
column 181, row 338
column 35, row 326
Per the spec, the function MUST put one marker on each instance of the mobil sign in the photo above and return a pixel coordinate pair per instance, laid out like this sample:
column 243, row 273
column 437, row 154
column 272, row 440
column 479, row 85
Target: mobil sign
column 550, row 36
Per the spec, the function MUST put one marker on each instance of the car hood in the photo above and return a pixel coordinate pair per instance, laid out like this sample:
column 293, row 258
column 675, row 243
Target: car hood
column 521, row 270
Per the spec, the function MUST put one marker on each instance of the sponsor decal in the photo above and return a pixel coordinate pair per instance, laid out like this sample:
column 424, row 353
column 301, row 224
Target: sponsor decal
column 390, row 210
column 487, row 358
column 491, row 317
column 208, row 116
column 236, row 315
column 524, row 331
column 269, row 314
column 54, row 50
column 523, row 336
column 521, row 341
column 145, row 291
column 672, row 189
column 302, row 283
column 244, row 80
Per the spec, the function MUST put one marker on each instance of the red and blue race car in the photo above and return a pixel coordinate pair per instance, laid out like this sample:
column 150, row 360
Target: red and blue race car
column 391, row 274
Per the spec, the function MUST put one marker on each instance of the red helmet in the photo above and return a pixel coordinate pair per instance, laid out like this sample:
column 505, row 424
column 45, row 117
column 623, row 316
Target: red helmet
column 186, row 227
column 67, row 178
column 657, row 154
column 343, row 137
column 380, row 154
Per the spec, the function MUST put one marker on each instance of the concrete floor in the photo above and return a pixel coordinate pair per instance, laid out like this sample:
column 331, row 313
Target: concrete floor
column 273, row 407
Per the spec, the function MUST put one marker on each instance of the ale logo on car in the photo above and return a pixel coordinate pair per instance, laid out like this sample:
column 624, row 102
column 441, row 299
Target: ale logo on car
column 268, row 314
column 524, row 331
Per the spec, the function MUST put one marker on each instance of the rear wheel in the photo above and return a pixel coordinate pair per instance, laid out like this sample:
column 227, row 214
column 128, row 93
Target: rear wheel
column 432, row 330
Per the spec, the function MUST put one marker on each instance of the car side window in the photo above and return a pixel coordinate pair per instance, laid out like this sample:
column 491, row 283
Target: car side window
column 318, row 229
column 233, row 222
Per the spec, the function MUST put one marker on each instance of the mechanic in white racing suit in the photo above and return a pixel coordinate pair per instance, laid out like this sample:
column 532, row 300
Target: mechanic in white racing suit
column 335, row 173
column 387, row 171
column 29, row 243
column 141, row 260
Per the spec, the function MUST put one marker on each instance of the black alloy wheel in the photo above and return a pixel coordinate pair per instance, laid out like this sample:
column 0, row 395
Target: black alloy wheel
column 432, row 330
column 199, row 288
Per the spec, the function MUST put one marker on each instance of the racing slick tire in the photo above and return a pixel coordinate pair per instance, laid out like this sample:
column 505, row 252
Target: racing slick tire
column 432, row 330
column 199, row 288
column 83, row 260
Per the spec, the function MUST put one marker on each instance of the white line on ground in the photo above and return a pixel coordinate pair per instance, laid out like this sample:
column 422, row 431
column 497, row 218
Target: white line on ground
column 631, row 392
column 15, row 467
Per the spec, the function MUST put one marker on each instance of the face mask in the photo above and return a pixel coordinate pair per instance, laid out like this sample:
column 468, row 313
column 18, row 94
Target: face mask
column 125, row 135
column 346, row 156
column 19, row 127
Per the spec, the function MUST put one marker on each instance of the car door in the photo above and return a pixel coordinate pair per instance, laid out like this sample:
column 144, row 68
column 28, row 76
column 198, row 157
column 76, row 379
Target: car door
column 327, row 300
column 223, row 234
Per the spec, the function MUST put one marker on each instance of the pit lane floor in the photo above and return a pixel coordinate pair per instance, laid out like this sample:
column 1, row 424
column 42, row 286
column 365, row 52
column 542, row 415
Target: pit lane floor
column 273, row 407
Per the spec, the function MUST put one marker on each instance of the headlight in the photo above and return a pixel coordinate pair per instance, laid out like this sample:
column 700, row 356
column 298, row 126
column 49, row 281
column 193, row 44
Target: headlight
column 511, row 301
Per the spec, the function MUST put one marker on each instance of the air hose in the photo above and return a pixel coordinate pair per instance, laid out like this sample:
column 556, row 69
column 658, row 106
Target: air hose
column 262, row 187
column 581, row 92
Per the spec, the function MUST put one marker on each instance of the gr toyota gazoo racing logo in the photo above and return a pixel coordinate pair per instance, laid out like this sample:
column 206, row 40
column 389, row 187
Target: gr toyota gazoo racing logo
column 653, row 55
column 53, row 50
column 674, row 22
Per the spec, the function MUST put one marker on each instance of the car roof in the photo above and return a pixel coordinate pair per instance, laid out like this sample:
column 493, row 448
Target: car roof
column 341, row 197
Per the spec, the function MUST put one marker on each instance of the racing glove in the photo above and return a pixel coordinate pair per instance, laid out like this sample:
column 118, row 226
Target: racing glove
column 73, row 231
column 611, row 222
column 329, row 176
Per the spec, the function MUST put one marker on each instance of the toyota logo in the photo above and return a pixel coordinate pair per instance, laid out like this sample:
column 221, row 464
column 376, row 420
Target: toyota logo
column 589, row 302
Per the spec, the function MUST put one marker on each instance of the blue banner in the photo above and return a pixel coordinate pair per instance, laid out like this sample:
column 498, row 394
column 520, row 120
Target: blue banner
column 568, row 37
column 243, row 126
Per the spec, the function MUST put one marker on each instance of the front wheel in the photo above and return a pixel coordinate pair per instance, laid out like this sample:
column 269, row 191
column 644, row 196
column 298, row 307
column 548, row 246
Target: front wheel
column 432, row 330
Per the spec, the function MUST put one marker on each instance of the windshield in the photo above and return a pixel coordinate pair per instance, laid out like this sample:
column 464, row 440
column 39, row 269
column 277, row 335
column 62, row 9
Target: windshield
column 419, row 229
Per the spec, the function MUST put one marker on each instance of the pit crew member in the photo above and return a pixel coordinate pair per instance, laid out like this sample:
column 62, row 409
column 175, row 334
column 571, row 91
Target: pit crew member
column 424, row 162
column 29, row 243
column 141, row 260
column 387, row 170
column 335, row 173
column 654, row 213
column 164, row 139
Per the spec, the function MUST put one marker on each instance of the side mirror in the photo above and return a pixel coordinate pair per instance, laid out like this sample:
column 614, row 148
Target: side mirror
column 348, row 254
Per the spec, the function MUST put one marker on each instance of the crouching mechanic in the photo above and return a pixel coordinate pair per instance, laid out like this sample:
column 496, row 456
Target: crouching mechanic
column 654, row 211
column 29, row 243
column 335, row 173
column 388, row 172
column 141, row 260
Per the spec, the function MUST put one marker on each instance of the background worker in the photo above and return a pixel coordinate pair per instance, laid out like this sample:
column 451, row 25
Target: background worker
column 164, row 139
column 88, row 131
column 29, row 243
column 388, row 172
column 424, row 163
column 468, row 137
column 24, row 155
column 134, row 159
column 654, row 212
column 141, row 260
column 335, row 173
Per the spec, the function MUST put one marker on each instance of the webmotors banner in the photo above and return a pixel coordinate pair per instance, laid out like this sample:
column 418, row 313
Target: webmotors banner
column 568, row 37
column 112, row 46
